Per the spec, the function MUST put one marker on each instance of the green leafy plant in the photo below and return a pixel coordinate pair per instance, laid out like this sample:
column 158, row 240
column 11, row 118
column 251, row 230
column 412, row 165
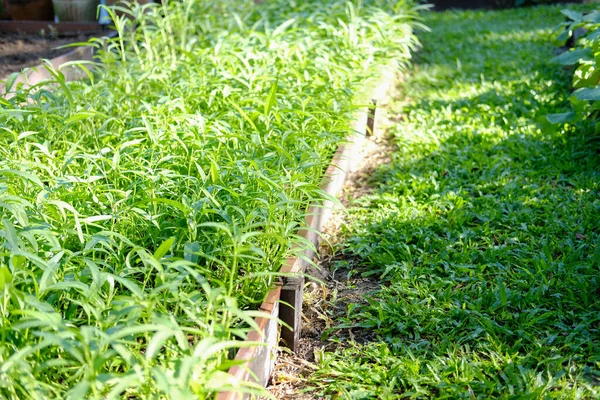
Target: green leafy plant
column 146, row 210
column 585, row 100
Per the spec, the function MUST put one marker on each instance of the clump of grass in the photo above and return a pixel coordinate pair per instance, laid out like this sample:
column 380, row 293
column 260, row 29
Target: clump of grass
column 146, row 210
column 483, row 229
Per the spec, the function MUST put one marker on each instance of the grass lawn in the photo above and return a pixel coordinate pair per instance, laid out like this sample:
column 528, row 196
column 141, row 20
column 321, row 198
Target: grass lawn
column 483, row 231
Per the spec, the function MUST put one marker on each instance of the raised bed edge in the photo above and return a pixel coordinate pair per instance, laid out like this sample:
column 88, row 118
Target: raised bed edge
column 39, row 73
column 257, row 362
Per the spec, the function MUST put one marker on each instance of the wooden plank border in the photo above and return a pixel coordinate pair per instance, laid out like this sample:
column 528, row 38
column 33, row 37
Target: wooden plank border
column 259, row 361
column 255, row 363
column 39, row 73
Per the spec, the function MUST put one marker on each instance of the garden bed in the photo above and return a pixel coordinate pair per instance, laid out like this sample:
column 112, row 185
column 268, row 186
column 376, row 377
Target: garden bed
column 151, row 207
column 21, row 50
column 494, row 4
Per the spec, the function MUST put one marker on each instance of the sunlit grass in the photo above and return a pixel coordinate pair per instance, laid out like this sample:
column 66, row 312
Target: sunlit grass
column 483, row 229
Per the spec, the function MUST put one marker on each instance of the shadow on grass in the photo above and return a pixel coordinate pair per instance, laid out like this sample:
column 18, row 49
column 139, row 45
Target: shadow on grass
column 483, row 232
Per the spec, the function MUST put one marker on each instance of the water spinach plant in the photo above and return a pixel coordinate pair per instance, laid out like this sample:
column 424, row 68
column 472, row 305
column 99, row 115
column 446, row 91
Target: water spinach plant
column 145, row 210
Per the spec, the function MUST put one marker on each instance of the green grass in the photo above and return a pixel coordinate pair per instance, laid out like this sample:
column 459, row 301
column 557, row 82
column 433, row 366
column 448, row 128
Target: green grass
column 146, row 210
column 483, row 230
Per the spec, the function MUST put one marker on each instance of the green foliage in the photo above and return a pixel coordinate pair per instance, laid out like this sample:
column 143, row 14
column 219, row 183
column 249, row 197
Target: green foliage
column 585, row 100
column 145, row 211
column 482, row 230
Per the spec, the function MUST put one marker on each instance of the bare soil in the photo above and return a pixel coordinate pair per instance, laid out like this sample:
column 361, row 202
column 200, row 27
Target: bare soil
column 18, row 51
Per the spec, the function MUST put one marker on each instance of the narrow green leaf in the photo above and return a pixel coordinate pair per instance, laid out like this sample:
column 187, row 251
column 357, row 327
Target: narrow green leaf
column 24, row 175
column 271, row 99
column 157, row 342
column 5, row 277
column 502, row 292
column 11, row 235
column 283, row 27
column 10, row 81
column 164, row 248
column 244, row 115
column 191, row 251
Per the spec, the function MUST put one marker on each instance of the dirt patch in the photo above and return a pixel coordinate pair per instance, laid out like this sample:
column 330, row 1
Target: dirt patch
column 334, row 288
column 325, row 305
column 18, row 51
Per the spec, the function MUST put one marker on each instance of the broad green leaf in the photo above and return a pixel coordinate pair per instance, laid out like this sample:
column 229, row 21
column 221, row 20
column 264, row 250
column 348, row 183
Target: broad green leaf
column 589, row 94
column 562, row 38
column 593, row 35
column 573, row 57
column 586, row 75
column 561, row 118
column 573, row 15
column 593, row 17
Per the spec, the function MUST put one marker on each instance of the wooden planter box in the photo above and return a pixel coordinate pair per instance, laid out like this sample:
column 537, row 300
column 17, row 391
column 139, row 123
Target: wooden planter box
column 39, row 73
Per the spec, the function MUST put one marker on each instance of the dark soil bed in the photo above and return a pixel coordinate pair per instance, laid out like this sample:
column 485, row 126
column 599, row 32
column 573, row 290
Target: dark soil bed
column 493, row 4
column 18, row 51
